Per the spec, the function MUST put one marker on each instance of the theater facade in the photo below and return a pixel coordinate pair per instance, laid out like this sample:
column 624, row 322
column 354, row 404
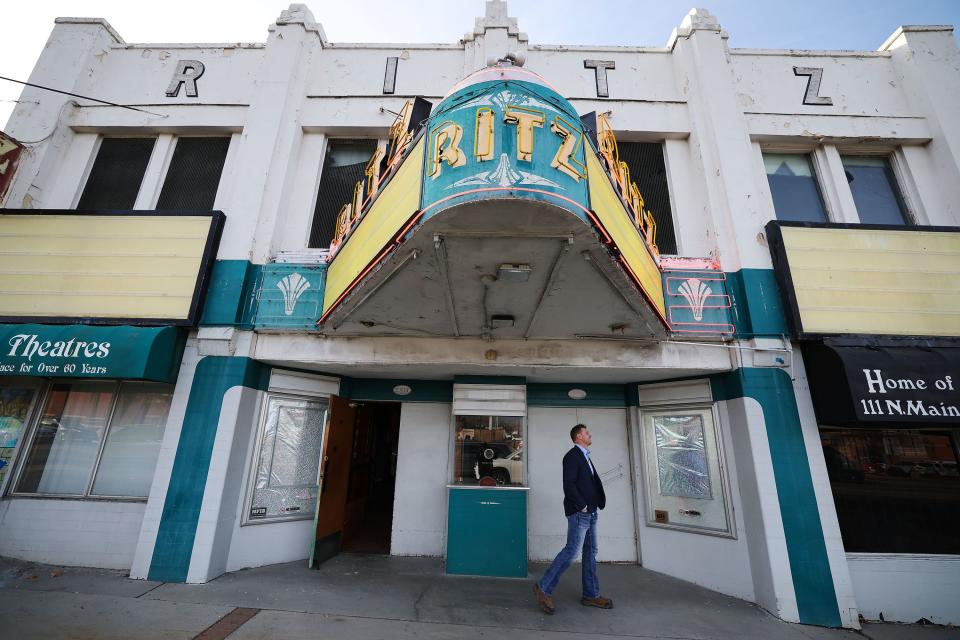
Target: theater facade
column 279, row 301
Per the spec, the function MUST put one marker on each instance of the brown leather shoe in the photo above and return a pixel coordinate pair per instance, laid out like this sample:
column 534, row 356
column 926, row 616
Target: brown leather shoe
column 599, row 601
column 545, row 601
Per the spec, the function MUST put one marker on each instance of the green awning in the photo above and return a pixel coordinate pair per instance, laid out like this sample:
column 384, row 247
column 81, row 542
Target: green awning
column 82, row 351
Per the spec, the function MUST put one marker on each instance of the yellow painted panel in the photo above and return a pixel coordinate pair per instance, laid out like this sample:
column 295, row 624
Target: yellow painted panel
column 618, row 223
column 100, row 266
column 399, row 200
column 870, row 281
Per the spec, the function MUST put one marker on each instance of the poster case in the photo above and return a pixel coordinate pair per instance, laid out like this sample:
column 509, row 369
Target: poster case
column 686, row 482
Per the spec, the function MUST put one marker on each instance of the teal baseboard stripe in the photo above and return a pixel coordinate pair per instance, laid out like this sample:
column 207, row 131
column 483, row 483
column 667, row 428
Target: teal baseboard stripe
column 181, row 509
column 556, row 395
column 806, row 549
column 231, row 297
column 757, row 305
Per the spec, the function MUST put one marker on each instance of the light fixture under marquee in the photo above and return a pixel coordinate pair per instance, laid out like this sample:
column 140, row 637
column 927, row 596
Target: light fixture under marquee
column 576, row 394
column 402, row 390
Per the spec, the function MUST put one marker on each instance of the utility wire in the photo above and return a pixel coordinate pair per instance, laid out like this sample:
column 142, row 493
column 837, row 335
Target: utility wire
column 77, row 95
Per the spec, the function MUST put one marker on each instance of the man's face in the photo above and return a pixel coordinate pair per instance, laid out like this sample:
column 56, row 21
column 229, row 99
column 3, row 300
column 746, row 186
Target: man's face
column 584, row 438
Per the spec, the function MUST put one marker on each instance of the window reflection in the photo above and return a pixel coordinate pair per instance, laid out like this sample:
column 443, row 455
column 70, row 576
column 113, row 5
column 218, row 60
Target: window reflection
column 488, row 450
column 896, row 491
column 874, row 190
column 794, row 188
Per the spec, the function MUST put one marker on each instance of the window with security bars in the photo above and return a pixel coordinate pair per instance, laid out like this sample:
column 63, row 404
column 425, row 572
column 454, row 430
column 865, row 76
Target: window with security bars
column 647, row 169
column 194, row 174
column 343, row 166
column 117, row 173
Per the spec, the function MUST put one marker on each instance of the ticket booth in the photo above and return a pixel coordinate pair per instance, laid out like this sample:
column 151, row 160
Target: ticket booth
column 487, row 493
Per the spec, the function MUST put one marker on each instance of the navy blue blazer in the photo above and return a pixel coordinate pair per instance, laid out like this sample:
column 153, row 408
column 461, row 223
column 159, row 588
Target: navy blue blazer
column 581, row 487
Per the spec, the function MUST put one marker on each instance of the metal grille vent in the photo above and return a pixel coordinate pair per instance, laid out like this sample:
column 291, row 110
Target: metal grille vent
column 647, row 169
column 343, row 167
column 117, row 173
column 194, row 174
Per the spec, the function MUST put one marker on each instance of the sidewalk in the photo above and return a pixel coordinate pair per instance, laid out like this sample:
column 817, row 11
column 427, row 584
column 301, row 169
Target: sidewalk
column 365, row 597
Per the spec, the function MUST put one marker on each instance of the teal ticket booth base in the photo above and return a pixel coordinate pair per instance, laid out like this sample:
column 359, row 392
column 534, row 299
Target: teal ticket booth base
column 487, row 531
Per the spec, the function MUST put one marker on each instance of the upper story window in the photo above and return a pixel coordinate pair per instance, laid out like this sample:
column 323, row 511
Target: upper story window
column 117, row 173
column 875, row 190
column 647, row 169
column 190, row 183
column 194, row 174
column 793, row 185
column 343, row 166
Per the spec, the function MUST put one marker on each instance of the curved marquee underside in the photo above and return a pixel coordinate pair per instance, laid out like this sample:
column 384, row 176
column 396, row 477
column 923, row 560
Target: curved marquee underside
column 500, row 222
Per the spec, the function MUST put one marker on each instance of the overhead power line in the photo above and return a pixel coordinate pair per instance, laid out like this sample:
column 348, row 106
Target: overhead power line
column 77, row 95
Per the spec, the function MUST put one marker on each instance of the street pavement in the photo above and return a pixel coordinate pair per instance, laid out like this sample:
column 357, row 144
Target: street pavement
column 361, row 597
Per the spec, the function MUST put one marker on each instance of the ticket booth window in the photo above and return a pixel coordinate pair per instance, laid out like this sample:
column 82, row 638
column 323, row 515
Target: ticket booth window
column 488, row 450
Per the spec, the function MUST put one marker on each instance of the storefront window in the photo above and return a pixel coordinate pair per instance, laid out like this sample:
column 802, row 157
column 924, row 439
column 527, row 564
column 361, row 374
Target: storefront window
column 67, row 452
column 14, row 405
column 136, row 431
column 288, row 460
column 488, row 450
column 896, row 491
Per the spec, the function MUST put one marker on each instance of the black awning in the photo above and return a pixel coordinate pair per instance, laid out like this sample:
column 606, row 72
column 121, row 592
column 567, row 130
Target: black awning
column 884, row 386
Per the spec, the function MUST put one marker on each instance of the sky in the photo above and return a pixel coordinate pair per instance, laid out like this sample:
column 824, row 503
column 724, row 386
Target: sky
column 762, row 24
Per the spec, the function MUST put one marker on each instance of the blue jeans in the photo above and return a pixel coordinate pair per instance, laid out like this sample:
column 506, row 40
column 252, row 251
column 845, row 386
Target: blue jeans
column 581, row 538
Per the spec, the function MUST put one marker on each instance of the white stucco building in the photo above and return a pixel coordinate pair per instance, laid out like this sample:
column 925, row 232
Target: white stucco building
column 764, row 342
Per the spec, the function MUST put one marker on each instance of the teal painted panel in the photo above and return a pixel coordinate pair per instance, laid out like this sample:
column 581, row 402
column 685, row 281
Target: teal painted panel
column 507, row 174
column 806, row 549
column 598, row 395
column 757, row 306
column 290, row 296
column 85, row 351
column 697, row 302
column 181, row 509
column 487, row 532
column 382, row 389
column 231, row 297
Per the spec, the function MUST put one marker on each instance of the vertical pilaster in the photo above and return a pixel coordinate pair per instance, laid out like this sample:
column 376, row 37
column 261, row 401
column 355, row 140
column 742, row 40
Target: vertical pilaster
column 493, row 36
column 41, row 119
column 271, row 138
column 926, row 59
column 719, row 136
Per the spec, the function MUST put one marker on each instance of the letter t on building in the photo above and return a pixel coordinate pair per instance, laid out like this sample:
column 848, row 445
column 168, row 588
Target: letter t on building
column 600, row 69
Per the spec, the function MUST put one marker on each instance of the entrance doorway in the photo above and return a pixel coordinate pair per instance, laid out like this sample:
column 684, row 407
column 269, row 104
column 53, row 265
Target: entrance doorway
column 359, row 468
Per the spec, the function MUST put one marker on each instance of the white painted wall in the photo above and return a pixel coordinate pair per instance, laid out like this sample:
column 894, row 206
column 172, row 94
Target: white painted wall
column 423, row 472
column 905, row 588
column 548, row 438
column 80, row 533
column 759, row 507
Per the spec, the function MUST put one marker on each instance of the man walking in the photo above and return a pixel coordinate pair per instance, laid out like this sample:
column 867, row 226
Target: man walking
column 582, row 496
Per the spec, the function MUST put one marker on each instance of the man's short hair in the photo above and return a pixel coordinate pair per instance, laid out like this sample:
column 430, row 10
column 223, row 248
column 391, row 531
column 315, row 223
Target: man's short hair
column 576, row 429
